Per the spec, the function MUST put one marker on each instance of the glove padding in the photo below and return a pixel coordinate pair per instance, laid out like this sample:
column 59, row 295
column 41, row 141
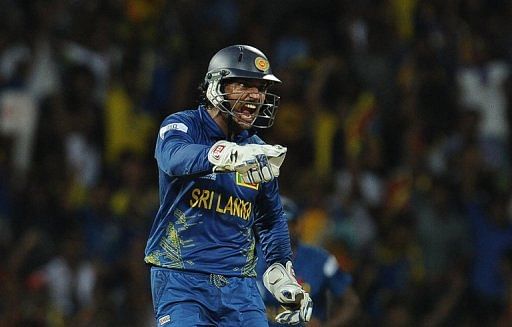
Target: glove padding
column 281, row 282
column 297, row 316
column 255, row 162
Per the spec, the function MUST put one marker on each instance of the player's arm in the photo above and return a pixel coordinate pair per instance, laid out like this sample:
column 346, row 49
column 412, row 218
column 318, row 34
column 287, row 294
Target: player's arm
column 271, row 225
column 177, row 153
column 279, row 278
column 256, row 163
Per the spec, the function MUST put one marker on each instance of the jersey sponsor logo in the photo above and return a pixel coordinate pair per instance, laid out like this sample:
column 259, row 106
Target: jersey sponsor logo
column 240, row 181
column 230, row 205
column 163, row 320
column 174, row 126
column 217, row 151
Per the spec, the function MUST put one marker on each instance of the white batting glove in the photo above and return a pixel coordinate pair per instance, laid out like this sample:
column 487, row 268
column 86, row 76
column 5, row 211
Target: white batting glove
column 281, row 282
column 256, row 163
column 275, row 155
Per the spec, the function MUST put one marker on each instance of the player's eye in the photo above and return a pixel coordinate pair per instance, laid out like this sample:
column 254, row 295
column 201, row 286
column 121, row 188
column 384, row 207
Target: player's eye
column 243, row 86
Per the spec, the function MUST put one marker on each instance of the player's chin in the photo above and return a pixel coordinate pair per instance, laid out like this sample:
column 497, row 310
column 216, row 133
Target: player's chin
column 244, row 122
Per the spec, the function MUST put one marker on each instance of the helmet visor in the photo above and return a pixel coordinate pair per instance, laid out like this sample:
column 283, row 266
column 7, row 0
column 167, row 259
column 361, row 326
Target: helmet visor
column 249, row 106
column 248, row 112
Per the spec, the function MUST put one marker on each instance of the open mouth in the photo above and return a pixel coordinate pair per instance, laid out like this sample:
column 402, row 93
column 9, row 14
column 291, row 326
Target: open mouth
column 247, row 113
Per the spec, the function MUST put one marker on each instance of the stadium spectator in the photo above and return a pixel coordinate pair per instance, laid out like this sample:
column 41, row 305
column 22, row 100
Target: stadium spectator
column 336, row 302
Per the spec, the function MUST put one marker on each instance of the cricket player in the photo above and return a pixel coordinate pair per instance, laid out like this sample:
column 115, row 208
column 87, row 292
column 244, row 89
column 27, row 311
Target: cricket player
column 336, row 302
column 217, row 185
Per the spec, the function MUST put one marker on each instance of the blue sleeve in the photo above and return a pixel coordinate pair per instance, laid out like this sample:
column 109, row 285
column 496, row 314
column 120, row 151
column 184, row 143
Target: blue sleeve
column 271, row 225
column 322, row 262
column 337, row 281
column 177, row 152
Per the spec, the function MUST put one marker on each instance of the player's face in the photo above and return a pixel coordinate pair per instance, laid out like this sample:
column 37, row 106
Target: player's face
column 245, row 98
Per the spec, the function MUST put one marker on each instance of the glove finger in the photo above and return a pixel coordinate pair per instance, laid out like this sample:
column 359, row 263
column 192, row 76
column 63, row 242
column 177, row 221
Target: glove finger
column 264, row 168
column 274, row 170
column 245, row 166
column 306, row 308
column 255, row 175
column 288, row 317
column 249, row 177
column 267, row 174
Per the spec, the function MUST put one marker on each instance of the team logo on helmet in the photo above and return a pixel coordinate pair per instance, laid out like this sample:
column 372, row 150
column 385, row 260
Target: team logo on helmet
column 261, row 63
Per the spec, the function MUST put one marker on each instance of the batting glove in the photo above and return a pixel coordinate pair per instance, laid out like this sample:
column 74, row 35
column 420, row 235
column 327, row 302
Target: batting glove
column 256, row 163
column 280, row 281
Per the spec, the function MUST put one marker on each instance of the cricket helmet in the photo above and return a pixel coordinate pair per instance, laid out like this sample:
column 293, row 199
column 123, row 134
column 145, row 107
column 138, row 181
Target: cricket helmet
column 241, row 62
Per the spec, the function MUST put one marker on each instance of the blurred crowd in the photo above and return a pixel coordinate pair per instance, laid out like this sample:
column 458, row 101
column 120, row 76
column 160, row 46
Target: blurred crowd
column 396, row 115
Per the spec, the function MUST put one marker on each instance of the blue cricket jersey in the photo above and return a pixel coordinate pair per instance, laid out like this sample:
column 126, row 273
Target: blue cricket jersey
column 317, row 271
column 205, row 220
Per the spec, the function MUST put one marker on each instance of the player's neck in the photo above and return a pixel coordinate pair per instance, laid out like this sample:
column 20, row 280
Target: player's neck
column 223, row 121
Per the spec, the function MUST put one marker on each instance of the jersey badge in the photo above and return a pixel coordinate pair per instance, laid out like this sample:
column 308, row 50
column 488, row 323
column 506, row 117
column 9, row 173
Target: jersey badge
column 240, row 181
column 164, row 320
column 176, row 126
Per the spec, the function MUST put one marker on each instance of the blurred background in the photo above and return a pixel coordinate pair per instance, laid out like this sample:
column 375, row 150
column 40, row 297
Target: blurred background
column 396, row 114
